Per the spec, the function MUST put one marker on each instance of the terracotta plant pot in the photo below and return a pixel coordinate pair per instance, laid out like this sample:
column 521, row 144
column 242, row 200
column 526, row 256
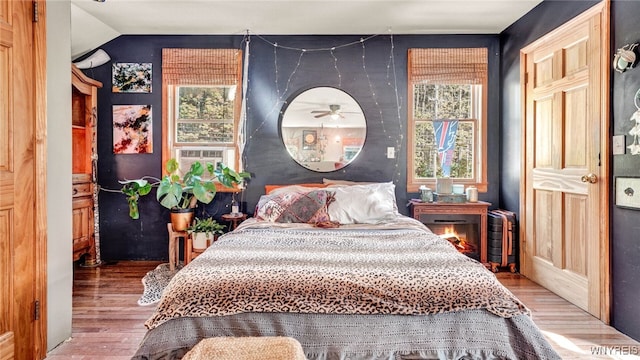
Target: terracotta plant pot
column 181, row 219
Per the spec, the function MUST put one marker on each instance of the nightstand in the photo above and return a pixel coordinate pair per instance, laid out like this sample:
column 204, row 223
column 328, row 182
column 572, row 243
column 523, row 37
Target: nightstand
column 234, row 219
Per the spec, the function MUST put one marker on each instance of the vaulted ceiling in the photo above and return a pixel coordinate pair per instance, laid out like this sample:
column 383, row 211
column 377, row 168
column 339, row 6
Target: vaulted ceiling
column 94, row 23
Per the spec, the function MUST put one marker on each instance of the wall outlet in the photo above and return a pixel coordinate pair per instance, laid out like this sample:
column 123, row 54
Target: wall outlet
column 391, row 152
column 618, row 145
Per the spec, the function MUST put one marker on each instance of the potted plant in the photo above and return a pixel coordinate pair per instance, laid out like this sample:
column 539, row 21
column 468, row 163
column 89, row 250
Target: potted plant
column 181, row 192
column 204, row 232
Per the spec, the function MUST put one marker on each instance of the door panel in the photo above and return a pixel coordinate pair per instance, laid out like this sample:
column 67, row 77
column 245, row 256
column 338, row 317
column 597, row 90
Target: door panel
column 7, row 199
column 576, row 54
column 574, row 217
column 6, row 346
column 544, row 132
column 562, row 212
column 543, row 71
column 544, row 232
column 5, row 126
column 6, row 278
column 575, row 133
column 22, row 190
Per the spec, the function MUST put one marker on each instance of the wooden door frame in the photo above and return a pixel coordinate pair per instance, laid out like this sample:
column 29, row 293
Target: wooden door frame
column 603, row 8
column 40, row 159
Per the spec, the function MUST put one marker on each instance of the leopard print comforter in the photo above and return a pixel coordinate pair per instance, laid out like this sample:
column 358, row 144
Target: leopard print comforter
column 400, row 268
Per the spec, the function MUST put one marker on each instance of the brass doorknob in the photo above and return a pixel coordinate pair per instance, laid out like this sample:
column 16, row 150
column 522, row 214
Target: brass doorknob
column 589, row 178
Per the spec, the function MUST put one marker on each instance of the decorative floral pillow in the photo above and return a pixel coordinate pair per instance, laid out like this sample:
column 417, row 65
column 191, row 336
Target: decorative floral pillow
column 295, row 207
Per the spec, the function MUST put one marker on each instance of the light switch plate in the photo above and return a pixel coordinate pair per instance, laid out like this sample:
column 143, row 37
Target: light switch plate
column 391, row 152
column 618, row 145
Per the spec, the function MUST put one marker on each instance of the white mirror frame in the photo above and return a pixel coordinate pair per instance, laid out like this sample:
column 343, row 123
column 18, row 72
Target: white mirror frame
column 323, row 129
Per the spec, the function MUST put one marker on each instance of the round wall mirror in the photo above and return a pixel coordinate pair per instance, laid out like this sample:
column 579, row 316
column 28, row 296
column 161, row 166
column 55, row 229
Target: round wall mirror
column 323, row 129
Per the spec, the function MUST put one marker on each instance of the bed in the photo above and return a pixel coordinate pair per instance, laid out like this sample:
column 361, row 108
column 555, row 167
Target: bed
column 348, row 277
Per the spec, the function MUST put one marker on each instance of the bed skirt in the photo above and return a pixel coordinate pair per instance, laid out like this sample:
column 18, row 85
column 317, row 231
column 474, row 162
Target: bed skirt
column 473, row 334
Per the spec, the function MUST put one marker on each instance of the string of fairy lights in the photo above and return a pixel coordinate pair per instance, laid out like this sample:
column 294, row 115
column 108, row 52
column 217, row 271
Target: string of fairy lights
column 391, row 75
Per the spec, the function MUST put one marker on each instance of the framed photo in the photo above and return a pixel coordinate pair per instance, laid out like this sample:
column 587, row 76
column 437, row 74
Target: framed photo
column 628, row 192
column 132, row 129
column 131, row 78
column 309, row 139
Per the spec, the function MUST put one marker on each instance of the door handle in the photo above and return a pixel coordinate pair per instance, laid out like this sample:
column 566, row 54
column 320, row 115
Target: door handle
column 589, row 178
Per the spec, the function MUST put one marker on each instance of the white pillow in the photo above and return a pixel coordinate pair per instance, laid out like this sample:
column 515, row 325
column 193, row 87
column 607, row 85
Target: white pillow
column 345, row 182
column 363, row 204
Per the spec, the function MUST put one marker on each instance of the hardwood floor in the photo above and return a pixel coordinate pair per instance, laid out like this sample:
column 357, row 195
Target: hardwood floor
column 108, row 323
column 574, row 333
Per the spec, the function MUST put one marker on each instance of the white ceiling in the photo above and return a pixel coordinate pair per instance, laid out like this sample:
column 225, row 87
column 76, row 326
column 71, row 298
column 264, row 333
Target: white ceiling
column 94, row 23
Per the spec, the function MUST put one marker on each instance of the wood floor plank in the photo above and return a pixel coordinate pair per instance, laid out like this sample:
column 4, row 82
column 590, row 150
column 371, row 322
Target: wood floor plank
column 108, row 324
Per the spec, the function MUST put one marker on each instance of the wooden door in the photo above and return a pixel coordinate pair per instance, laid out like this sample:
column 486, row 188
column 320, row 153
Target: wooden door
column 564, row 205
column 84, row 102
column 22, row 181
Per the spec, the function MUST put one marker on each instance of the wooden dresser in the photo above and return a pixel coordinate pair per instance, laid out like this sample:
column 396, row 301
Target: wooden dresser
column 84, row 116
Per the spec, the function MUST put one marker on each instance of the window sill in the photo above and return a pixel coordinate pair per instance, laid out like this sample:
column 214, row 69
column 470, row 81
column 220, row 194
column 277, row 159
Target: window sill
column 415, row 187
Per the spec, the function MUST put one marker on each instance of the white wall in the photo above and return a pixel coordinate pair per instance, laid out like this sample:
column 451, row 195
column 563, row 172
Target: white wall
column 59, row 220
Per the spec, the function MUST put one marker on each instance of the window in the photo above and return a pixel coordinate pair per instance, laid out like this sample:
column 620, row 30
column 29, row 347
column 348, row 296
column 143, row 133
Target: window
column 200, row 121
column 447, row 126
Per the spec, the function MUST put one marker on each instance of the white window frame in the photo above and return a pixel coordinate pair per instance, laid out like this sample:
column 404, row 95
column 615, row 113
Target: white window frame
column 192, row 68
column 228, row 149
column 479, row 112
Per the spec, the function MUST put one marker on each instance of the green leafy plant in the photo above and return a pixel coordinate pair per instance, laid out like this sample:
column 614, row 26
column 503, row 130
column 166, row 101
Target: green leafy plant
column 181, row 191
column 206, row 225
column 133, row 189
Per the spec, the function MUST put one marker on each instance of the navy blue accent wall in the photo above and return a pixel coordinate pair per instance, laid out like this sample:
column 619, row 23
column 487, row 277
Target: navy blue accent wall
column 120, row 237
column 625, row 224
column 372, row 85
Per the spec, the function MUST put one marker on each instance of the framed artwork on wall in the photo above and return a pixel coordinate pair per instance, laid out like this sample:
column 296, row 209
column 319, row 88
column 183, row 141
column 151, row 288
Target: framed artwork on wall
column 131, row 77
column 132, row 129
column 309, row 139
column 628, row 192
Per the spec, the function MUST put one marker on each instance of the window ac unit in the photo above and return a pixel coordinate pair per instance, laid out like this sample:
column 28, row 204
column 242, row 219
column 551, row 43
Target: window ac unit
column 186, row 157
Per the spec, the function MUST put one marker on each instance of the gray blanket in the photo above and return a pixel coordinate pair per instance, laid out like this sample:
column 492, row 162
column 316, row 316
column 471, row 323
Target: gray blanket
column 473, row 334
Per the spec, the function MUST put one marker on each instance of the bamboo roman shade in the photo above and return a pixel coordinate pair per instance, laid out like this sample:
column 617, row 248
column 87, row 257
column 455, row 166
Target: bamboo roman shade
column 448, row 66
column 201, row 66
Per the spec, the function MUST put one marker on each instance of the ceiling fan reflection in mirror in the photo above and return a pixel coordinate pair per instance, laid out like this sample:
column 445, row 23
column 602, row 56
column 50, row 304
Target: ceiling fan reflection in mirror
column 335, row 112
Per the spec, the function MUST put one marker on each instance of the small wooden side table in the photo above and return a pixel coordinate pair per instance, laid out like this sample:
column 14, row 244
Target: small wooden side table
column 174, row 245
column 234, row 219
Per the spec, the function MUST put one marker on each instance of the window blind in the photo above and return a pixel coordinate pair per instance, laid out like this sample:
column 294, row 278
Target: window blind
column 201, row 66
column 448, row 66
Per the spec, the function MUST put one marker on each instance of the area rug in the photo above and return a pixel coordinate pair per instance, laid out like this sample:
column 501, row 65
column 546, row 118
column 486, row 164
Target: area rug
column 154, row 283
